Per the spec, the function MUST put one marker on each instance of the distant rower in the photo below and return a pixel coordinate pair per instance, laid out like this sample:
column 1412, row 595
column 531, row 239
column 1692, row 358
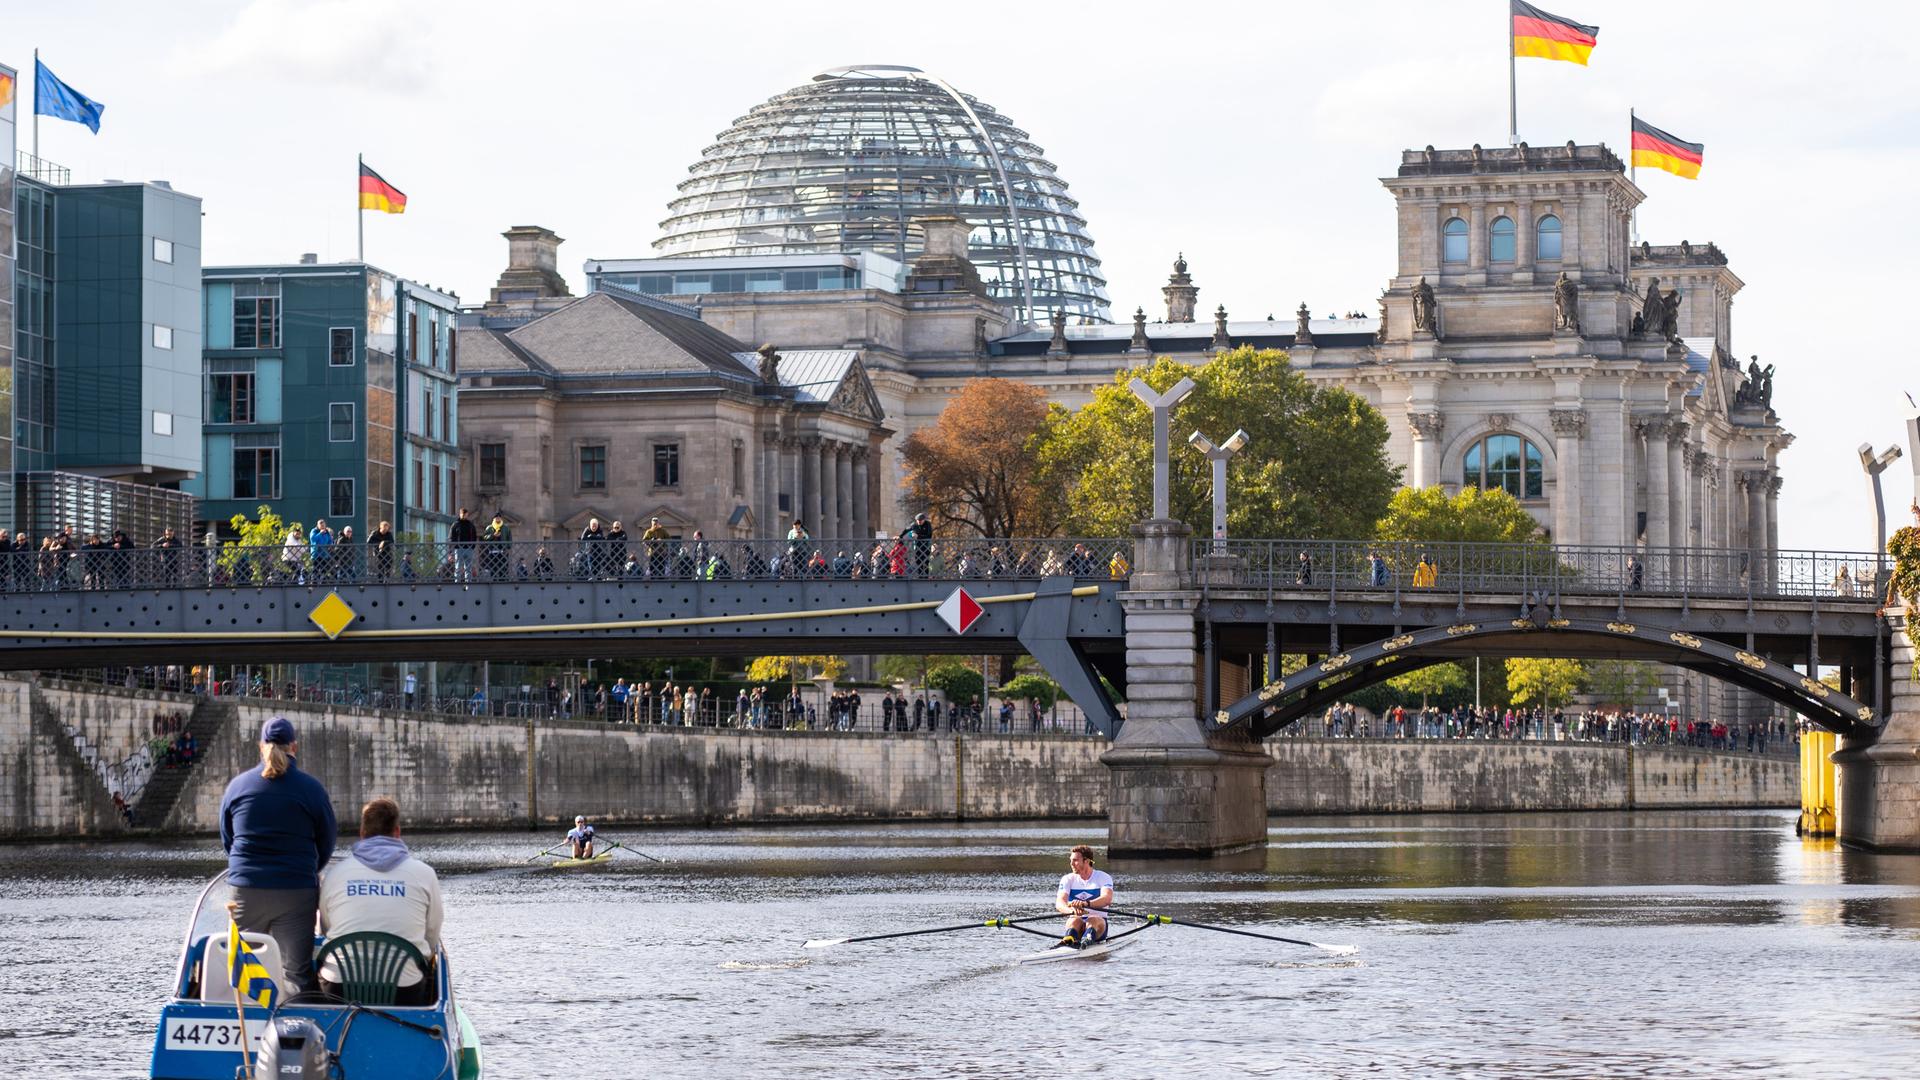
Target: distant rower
column 581, row 837
column 1085, row 894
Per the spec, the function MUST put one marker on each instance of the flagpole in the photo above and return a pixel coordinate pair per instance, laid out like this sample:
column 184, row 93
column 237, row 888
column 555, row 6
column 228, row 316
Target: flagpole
column 360, row 214
column 36, row 114
column 1513, row 86
column 1633, row 174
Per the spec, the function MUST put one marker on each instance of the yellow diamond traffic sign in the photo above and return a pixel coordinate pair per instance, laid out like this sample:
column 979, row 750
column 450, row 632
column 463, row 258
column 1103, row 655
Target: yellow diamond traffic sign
column 332, row 615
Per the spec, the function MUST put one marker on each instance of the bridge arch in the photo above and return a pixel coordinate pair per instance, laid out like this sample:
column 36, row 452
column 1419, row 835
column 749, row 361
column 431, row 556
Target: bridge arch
column 1312, row 688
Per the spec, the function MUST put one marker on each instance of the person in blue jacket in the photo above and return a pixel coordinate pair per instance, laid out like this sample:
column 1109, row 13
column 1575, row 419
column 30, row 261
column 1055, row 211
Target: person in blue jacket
column 278, row 830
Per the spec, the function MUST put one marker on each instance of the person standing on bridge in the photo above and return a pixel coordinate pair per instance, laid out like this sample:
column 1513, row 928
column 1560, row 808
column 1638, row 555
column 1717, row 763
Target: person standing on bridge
column 1083, row 896
column 920, row 536
column 278, row 830
column 462, row 537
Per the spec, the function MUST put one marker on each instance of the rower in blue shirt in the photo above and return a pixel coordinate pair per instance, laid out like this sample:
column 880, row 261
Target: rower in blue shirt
column 581, row 837
column 1084, row 896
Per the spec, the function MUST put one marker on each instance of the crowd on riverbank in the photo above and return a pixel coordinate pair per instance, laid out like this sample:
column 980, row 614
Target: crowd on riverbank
column 1345, row 720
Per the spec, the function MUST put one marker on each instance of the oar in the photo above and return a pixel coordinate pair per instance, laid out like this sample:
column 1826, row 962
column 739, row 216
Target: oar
column 821, row 943
column 545, row 853
column 636, row 851
column 1168, row 920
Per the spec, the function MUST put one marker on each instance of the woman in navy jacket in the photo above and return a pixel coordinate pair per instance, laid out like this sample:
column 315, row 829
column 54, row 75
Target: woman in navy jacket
column 278, row 830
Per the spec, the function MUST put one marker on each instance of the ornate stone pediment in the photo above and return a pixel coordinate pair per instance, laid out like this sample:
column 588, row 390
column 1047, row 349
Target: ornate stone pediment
column 855, row 395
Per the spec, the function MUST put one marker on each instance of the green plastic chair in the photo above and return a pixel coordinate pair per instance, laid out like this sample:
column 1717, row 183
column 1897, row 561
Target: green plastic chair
column 370, row 964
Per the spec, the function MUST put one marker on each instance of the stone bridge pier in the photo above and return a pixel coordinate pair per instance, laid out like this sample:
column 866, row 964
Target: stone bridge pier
column 1176, row 788
column 1878, row 778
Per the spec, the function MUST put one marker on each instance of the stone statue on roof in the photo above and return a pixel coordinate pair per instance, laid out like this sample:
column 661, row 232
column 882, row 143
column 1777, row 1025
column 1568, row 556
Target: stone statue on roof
column 1425, row 306
column 1650, row 308
column 1566, row 304
column 769, row 364
column 1670, row 315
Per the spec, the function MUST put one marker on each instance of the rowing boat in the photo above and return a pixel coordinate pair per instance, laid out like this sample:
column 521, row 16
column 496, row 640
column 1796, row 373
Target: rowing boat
column 1099, row 951
column 570, row 864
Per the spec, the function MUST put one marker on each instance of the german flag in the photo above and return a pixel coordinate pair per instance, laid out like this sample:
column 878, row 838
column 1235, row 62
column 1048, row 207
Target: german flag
column 1551, row 37
column 377, row 194
column 1658, row 150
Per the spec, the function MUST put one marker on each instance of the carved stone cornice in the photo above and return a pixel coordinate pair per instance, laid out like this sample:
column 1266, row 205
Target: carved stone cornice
column 1677, row 432
column 1569, row 422
column 1427, row 425
column 1653, row 427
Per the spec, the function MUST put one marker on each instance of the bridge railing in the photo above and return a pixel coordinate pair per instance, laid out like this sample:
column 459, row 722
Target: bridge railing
column 632, row 559
column 1555, row 569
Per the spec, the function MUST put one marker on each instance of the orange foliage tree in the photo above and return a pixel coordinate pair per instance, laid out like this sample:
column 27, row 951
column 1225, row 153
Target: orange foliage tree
column 978, row 468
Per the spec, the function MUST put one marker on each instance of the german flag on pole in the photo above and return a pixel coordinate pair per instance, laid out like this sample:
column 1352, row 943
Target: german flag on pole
column 1550, row 37
column 377, row 194
column 1658, row 150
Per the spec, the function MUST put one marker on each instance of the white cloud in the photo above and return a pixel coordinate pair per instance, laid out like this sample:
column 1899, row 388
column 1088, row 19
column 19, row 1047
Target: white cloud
column 351, row 43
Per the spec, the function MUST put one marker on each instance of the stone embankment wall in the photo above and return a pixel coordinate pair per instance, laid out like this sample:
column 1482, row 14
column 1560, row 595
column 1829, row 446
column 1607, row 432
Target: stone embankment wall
column 461, row 773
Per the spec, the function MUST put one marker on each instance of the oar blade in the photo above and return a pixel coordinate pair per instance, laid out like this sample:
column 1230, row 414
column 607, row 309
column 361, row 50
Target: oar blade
column 1337, row 950
column 821, row 943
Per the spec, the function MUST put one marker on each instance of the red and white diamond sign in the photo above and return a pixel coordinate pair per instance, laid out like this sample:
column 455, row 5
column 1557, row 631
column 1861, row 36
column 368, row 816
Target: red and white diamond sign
column 960, row 611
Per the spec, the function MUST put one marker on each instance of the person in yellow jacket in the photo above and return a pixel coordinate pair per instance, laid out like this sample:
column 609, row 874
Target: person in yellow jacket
column 1117, row 567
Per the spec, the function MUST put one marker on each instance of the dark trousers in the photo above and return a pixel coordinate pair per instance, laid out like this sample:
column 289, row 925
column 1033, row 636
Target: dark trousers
column 287, row 915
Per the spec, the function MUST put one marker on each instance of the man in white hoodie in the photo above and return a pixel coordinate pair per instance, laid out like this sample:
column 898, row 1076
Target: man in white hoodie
column 381, row 886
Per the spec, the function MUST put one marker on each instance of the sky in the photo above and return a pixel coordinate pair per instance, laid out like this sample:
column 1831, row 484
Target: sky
column 1250, row 136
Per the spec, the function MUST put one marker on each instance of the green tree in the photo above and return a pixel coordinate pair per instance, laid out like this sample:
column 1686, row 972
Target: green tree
column 1622, row 682
column 795, row 668
column 959, row 681
column 1444, row 681
column 1549, row 682
column 1430, row 515
column 256, row 554
column 1315, row 466
column 1031, row 687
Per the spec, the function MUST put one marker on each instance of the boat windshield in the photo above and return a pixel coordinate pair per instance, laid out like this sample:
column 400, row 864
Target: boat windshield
column 210, row 910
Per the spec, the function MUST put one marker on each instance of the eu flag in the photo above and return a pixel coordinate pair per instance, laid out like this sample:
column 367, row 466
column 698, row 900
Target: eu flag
column 51, row 97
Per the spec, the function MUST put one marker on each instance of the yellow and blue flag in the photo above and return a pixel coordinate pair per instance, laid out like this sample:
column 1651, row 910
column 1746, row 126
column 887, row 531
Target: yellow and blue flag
column 246, row 972
column 51, row 97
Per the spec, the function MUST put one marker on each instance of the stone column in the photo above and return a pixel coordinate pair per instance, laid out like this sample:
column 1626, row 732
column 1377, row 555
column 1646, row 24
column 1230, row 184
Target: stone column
column 1774, row 480
column 1477, row 239
column 767, row 488
column 843, row 490
column 1754, row 483
column 1523, row 253
column 1569, row 428
column 1677, row 518
column 823, row 491
column 1427, row 427
column 1655, row 430
column 1877, row 780
column 862, row 506
column 809, row 486
column 1176, row 789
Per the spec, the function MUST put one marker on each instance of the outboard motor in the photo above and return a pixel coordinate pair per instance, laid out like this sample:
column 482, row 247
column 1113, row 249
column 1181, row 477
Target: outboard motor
column 292, row 1048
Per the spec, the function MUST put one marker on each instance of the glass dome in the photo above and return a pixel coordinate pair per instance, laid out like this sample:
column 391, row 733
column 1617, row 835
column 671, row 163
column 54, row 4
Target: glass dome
column 846, row 162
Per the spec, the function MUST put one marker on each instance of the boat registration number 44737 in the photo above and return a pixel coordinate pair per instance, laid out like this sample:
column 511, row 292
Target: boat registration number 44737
column 208, row 1035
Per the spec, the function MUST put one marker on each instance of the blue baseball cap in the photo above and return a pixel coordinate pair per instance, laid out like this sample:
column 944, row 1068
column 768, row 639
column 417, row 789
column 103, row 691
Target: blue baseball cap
column 277, row 730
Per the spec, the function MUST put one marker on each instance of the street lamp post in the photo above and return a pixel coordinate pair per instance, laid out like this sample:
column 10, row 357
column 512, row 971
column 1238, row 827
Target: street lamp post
column 1162, row 406
column 1874, row 466
column 1218, row 456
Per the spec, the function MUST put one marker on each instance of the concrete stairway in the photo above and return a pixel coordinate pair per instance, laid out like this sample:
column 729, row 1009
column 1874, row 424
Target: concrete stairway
column 207, row 723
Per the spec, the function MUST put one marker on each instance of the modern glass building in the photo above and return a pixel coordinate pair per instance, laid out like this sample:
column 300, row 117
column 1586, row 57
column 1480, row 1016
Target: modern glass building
column 329, row 394
column 844, row 163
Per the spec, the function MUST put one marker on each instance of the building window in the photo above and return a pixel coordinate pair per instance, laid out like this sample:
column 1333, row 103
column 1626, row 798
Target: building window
column 739, row 467
column 340, row 346
column 230, row 396
column 340, row 497
column 446, row 417
column 162, row 423
column 1546, row 242
column 666, row 465
column 162, row 250
column 453, row 349
column 340, row 426
column 593, row 468
column 419, row 484
column 1453, row 241
column 433, row 341
column 1507, row 462
column 493, row 466
column 256, row 466
column 439, row 503
column 1501, row 250
column 426, row 410
column 162, row 336
column 256, row 315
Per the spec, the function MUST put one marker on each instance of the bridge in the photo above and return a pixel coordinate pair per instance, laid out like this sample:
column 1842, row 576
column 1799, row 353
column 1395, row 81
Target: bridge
column 1184, row 629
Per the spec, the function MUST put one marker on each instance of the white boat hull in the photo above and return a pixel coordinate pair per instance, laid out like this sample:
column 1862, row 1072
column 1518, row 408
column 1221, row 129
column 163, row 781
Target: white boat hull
column 1067, row 952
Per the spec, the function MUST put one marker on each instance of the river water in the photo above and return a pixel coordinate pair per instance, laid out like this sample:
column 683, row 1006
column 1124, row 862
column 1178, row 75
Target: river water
column 1691, row 944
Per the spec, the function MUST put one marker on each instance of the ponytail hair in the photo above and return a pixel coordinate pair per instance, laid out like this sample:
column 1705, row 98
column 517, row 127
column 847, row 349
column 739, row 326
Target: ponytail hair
column 275, row 760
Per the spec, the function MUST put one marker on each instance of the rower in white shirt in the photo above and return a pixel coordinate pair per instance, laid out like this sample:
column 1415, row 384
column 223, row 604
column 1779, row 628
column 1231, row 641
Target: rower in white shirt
column 381, row 886
column 1084, row 896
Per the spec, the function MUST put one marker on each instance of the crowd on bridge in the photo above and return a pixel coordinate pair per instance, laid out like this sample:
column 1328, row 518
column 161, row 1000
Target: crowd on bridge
column 1536, row 723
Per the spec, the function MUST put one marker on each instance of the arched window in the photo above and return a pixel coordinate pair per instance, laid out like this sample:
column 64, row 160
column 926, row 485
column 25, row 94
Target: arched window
column 1453, row 241
column 1546, row 242
column 1507, row 462
column 1501, row 250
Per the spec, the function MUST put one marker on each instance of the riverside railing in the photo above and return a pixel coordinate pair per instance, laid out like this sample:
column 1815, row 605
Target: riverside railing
column 1408, row 569
column 632, row 559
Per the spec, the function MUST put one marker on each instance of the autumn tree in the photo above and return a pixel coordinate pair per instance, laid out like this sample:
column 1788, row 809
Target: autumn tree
column 1315, row 465
column 1445, row 681
column 1534, row 679
column 1474, row 516
column 977, row 469
column 1623, row 682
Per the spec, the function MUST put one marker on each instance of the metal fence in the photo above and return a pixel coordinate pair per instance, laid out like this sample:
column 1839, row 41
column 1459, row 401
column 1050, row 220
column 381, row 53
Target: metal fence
column 1411, row 569
column 62, row 564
